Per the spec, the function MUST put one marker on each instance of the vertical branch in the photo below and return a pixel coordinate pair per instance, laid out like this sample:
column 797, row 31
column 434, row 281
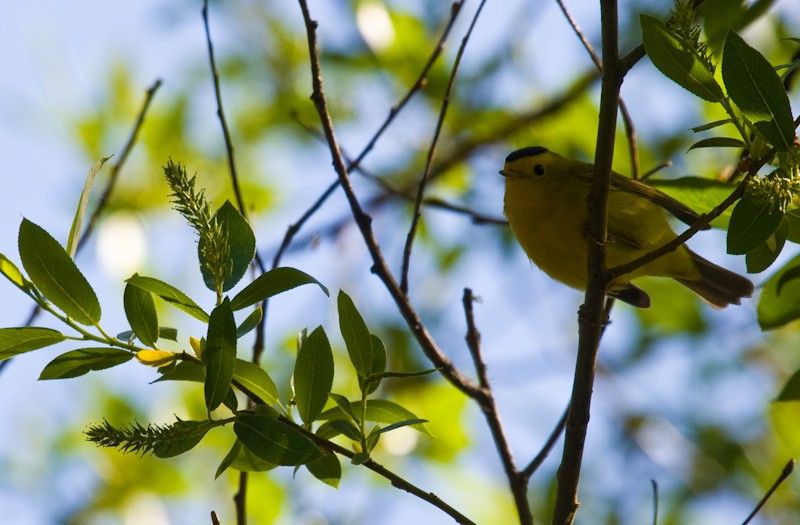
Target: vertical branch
column 412, row 231
column 591, row 319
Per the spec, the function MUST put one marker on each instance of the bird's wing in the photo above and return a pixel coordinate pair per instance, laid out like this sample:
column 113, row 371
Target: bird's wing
column 681, row 211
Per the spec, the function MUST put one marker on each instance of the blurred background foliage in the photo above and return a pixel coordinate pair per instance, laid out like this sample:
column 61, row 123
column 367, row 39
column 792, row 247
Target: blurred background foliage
column 683, row 393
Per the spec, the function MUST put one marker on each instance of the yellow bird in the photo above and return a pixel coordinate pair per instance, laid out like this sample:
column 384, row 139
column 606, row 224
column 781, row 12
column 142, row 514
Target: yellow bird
column 545, row 202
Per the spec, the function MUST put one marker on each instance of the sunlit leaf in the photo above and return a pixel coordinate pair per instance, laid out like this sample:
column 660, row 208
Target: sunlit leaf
column 256, row 380
column 313, row 375
column 79, row 362
column 220, row 354
column 271, row 283
column 77, row 222
column 54, row 273
column 170, row 294
column 356, row 335
column 241, row 242
column 15, row 341
column 140, row 309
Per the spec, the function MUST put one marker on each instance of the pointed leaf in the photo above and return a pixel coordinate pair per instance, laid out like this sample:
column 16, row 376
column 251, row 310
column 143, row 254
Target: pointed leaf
column 77, row 222
column 378, row 364
column 676, row 60
column 711, row 125
column 356, row 335
column 327, row 469
column 791, row 390
column 275, row 442
column 14, row 341
column 753, row 221
column 156, row 358
column 183, row 436
column 779, row 303
column 55, row 274
column 272, row 283
column 140, row 309
column 313, row 375
column 379, row 411
column 756, row 88
column 12, row 273
column 220, row 354
column 184, row 371
column 241, row 242
column 762, row 257
column 717, row 142
column 250, row 322
column 256, row 380
column 347, row 429
column 170, row 294
column 79, row 362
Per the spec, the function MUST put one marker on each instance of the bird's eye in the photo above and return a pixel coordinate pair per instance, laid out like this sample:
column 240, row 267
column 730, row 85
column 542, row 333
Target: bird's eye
column 538, row 169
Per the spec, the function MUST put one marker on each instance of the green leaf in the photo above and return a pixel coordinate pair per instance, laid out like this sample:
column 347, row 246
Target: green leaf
column 140, row 309
column 793, row 221
column 272, row 283
column 406, row 423
column 183, row 436
column 757, row 90
column 14, row 341
column 711, row 125
column 717, row 142
column 700, row 194
column 170, row 294
column 275, row 442
column 779, row 303
column 79, row 362
column 184, row 371
column 241, row 459
column 12, row 273
column 327, row 469
column 378, row 411
column 220, row 354
column 256, row 380
column 164, row 332
column 55, row 274
column 313, row 375
column 762, row 257
column 344, row 404
column 378, row 365
column 250, row 323
column 360, row 458
column 791, row 390
column 77, row 222
column 753, row 220
column 356, row 335
column 676, row 60
column 347, row 429
column 242, row 244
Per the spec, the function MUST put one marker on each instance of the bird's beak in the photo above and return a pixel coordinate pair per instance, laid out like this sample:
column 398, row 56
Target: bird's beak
column 507, row 173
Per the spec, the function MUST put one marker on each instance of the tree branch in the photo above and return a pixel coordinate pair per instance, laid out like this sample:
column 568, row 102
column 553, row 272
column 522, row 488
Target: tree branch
column 364, row 223
column 591, row 319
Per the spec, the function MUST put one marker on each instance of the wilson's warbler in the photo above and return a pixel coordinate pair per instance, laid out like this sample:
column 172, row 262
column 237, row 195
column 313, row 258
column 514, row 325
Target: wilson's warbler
column 545, row 202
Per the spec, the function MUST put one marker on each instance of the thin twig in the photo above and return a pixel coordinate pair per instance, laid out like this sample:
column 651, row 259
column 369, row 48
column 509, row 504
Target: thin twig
column 240, row 499
column 785, row 473
column 412, row 231
column 591, row 320
column 630, row 130
column 516, row 481
column 534, row 465
column 364, row 223
column 221, row 114
column 393, row 112
column 655, row 501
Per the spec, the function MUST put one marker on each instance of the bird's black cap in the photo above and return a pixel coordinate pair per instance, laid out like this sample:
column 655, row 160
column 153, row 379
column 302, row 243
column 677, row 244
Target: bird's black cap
column 530, row 151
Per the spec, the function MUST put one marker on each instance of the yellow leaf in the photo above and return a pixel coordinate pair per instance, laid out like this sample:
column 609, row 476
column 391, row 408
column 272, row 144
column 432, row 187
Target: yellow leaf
column 197, row 347
column 155, row 357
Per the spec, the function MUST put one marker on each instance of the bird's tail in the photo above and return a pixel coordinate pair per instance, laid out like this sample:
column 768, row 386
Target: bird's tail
column 717, row 286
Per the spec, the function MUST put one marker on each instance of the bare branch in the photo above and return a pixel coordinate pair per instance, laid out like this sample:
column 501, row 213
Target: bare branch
column 364, row 223
column 591, row 318
column 785, row 473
